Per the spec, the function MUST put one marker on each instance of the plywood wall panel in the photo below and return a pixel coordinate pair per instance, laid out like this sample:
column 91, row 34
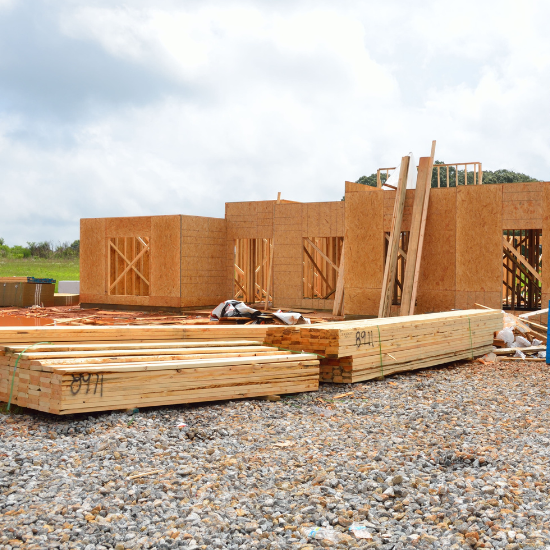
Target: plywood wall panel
column 364, row 251
column 287, row 253
column 165, row 256
column 479, row 239
column 432, row 301
column 438, row 263
column 325, row 219
column 93, row 250
column 203, row 261
column 128, row 227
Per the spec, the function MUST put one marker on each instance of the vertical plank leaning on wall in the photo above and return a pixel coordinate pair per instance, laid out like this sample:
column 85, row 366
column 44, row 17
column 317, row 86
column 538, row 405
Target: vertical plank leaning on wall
column 479, row 260
column 426, row 186
column 92, row 259
column 393, row 247
column 423, row 180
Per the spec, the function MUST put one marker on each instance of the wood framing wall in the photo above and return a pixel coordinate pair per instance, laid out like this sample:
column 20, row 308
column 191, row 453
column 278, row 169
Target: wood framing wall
column 287, row 223
column 462, row 255
column 186, row 260
column 190, row 259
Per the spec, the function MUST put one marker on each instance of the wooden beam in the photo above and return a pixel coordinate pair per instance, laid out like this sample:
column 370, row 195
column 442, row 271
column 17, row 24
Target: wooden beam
column 423, row 179
column 130, row 265
column 322, row 253
column 242, row 289
column 521, row 259
column 393, row 247
column 317, row 268
column 269, row 272
column 422, row 232
column 401, row 251
column 338, row 308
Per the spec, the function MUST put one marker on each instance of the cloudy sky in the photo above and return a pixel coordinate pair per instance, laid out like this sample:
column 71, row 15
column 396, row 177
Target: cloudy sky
column 110, row 108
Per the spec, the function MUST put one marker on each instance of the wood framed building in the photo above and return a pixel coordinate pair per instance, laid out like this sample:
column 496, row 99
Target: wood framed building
column 483, row 244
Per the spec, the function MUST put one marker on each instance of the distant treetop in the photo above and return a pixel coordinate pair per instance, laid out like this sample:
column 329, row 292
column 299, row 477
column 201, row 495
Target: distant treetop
column 496, row 176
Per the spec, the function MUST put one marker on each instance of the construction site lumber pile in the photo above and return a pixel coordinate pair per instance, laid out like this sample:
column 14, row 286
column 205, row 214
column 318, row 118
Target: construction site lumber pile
column 84, row 376
column 353, row 351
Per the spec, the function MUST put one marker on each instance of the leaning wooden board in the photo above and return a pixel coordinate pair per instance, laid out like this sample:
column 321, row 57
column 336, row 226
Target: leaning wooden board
column 71, row 378
column 361, row 350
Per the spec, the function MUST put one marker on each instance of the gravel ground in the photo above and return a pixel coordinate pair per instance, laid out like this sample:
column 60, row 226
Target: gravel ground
column 454, row 457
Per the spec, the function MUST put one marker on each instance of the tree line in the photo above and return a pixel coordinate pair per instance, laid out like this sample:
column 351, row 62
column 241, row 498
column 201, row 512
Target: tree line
column 496, row 176
column 44, row 249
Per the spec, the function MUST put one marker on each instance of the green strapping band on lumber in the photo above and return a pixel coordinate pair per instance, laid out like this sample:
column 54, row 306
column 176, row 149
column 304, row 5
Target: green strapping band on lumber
column 15, row 368
column 380, row 346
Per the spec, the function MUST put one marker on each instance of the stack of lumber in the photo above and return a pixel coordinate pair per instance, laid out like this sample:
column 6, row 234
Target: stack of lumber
column 84, row 376
column 64, row 380
column 131, row 333
column 361, row 350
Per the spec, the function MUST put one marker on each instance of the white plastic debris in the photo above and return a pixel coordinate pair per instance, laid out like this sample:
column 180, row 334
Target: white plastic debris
column 506, row 334
column 541, row 354
column 536, row 342
column 489, row 358
column 393, row 180
column 519, row 353
column 291, row 318
column 521, row 342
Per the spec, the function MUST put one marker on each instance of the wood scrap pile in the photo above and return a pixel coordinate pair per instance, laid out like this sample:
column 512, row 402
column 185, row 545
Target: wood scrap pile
column 361, row 350
column 106, row 368
column 69, row 315
column 520, row 339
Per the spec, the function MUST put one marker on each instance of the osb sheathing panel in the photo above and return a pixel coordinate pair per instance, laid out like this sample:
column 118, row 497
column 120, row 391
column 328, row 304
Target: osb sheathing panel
column 364, row 252
column 467, row 300
column 287, row 254
column 438, row 263
column 522, row 205
column 165, row 256
column 545, row 243
column 128, row 227
column 249, row 220
column 92, row 257
column 323, row 219
column 479, row 239
column 316, row 303
column 203, row 261
column 352, row 187
column 431, row 301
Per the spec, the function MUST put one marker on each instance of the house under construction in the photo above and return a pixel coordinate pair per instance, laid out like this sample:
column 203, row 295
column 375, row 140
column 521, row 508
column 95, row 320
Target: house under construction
column 481, row 244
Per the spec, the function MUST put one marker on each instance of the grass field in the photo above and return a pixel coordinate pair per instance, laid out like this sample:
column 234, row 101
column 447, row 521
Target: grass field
column 60, row 270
